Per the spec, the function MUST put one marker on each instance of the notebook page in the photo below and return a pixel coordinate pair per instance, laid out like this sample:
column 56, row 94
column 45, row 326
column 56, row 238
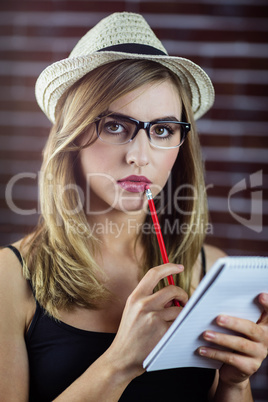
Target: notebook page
column 236, row 281
column 204, row 284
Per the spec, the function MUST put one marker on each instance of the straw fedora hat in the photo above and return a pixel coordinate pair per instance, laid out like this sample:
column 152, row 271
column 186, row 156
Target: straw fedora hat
column 120, row 36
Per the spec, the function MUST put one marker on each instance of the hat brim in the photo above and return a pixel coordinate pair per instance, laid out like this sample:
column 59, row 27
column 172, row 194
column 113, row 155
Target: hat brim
column 61, row 75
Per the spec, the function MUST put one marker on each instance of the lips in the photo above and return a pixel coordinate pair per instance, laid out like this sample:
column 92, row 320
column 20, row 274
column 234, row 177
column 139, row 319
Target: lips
column 134, row 184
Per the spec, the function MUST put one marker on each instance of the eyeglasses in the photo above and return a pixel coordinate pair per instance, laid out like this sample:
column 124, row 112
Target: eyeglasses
column 119, row 129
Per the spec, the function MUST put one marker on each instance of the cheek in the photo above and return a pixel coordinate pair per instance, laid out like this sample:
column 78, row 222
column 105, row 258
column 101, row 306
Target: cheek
column 164, row 167
column 94, row 159
column 98, row 164
column 168, row 160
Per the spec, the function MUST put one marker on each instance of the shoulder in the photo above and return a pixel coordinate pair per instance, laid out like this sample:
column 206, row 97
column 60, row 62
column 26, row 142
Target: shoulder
column 16, row 298
column 9, row 264
column 212, row 255
column 16, row 309
column 9, row 261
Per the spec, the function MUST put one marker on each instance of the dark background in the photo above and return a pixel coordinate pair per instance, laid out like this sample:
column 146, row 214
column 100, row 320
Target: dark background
column 228, row 38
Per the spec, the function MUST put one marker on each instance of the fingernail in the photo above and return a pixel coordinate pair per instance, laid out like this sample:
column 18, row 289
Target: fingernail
column 209, row 335
column 202, row 351
column 264, row 297
column 222, row 319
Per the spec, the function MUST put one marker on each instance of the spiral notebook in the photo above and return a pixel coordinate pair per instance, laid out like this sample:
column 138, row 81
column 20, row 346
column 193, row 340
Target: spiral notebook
column 230, row 287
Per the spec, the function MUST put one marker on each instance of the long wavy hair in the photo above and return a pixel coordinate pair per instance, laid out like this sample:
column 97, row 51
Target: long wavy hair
column 60, row 262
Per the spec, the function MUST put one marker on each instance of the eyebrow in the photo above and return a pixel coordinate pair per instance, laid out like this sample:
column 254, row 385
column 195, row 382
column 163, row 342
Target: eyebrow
column 165, row 118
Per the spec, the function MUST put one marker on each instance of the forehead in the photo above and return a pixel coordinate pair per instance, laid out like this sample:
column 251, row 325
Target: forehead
column 150, row 101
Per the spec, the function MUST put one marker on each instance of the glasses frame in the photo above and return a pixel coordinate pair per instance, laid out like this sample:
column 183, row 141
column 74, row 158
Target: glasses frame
column 144, row 125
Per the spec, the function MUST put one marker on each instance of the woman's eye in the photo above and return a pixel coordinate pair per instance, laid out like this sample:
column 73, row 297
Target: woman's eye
column 161, row 131
column 114, row 128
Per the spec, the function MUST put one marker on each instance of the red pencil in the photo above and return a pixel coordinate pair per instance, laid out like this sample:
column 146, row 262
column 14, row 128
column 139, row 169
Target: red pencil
column 159, row 236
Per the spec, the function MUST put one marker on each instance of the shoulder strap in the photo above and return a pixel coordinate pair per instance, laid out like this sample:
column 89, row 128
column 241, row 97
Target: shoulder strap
column 19, row 256
column 39, row 309
column 203, row 259
column 17, row 253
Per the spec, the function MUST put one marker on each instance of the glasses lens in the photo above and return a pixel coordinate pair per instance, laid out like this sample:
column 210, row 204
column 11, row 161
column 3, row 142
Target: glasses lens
column 116, row 129
column 167, row 134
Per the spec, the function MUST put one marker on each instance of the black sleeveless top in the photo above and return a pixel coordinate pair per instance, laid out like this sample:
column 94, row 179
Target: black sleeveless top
column 59, row 353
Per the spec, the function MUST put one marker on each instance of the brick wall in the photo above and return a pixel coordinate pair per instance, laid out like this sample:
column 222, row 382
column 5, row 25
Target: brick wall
column 229, row 39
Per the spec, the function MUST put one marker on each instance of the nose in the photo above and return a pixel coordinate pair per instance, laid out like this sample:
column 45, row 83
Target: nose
column 139, row 150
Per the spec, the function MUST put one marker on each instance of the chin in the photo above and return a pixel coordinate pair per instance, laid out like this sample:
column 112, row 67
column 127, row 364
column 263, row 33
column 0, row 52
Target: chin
column 132, row 206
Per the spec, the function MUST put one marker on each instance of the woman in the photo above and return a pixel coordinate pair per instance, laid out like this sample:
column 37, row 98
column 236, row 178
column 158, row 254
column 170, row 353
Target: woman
column 91, row 302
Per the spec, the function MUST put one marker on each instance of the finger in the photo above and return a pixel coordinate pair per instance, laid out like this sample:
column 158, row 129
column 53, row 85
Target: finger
column 244, row 364
column 246, row 327
column 165, row 296
column 263, row 300
column 154, row 275
column 170, row 314
column 235, row 343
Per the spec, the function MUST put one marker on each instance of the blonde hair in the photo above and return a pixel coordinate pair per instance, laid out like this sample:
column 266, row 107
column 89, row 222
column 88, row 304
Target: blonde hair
column 62, row 264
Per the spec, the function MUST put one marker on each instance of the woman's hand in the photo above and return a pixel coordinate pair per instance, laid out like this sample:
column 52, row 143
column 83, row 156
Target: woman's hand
column 247, row 351
column 146, row 318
